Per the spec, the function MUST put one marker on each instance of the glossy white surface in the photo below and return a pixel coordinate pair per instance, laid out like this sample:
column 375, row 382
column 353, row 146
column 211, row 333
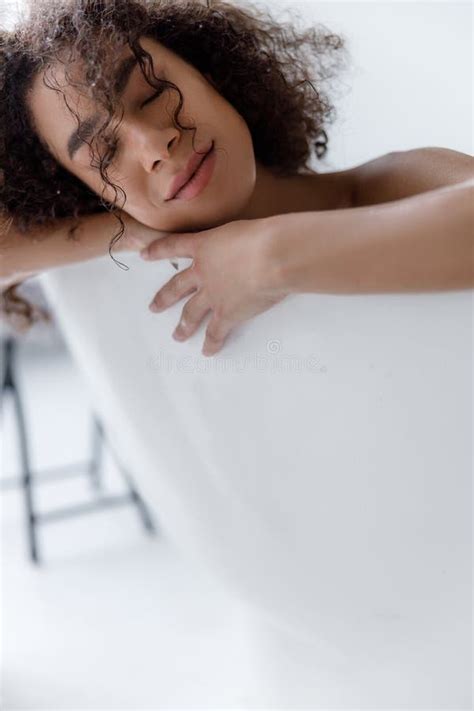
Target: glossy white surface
column 333, row 493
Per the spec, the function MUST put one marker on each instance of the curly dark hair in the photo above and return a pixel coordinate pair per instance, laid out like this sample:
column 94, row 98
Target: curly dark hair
column 272, row 73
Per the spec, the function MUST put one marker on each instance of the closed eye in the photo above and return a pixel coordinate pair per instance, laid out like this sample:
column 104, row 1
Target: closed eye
column 153, row 96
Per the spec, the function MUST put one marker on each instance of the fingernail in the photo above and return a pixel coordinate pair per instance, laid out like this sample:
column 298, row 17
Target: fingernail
column 144, row 254
column 154, row 307
column 178, row 332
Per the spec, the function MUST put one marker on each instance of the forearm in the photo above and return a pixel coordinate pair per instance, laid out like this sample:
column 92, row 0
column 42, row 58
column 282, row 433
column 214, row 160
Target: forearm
column 22, row 255
column 421, row 243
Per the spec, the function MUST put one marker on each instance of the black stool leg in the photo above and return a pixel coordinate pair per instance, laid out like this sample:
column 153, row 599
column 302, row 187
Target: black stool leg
column 98, row 443
column 132, row 491
column 95, row 465
column 26, row 477
column 142, row 509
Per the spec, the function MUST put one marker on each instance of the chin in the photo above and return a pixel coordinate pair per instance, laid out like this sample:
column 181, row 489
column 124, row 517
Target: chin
column 154, row 220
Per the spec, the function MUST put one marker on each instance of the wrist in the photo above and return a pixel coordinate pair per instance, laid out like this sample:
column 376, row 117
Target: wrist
column 311, row 252
column 286, row 247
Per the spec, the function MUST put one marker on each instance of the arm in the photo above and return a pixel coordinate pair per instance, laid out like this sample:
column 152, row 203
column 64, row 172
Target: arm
column 420, row 243
column 23, row 255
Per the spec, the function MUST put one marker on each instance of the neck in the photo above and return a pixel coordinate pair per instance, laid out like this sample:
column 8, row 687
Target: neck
column 275, row 195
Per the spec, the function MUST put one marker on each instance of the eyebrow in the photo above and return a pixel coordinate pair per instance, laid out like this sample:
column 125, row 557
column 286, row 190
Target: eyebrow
column 87, row 127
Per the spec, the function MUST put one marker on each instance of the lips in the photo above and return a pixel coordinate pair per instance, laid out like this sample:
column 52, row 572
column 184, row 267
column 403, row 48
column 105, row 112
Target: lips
column 182, row 178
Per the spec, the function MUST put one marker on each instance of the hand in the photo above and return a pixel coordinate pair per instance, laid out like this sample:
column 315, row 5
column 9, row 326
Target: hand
column 231, row 275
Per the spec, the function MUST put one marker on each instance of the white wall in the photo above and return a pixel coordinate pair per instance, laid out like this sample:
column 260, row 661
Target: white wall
column 410, row 80
column 9, row 10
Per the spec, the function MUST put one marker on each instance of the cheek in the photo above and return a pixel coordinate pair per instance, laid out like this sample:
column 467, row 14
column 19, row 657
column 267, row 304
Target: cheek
column 142, row 212
column 135, row 198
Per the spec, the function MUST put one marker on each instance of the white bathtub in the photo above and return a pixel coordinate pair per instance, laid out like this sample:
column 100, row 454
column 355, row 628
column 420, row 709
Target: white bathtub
column 332, row 489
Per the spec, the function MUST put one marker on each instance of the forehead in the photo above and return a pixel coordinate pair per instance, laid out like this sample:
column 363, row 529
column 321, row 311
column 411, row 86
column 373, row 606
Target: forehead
column 51, row 109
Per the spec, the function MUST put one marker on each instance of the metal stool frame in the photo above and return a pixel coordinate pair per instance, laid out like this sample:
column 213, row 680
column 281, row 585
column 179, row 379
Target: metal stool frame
column 27, row 479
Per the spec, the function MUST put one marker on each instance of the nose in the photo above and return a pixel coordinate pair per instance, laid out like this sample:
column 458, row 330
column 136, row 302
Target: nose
column 148, row 143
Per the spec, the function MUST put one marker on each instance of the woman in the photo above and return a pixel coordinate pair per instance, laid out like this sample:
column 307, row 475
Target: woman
column 107, row 107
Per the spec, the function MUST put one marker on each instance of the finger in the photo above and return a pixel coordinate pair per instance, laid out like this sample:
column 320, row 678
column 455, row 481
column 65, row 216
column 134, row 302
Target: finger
column 216, row 333
column 192, row 315
column 171, row 245
column 180, row 285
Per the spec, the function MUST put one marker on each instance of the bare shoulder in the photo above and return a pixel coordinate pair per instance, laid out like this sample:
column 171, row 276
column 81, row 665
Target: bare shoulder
column 399, row 174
